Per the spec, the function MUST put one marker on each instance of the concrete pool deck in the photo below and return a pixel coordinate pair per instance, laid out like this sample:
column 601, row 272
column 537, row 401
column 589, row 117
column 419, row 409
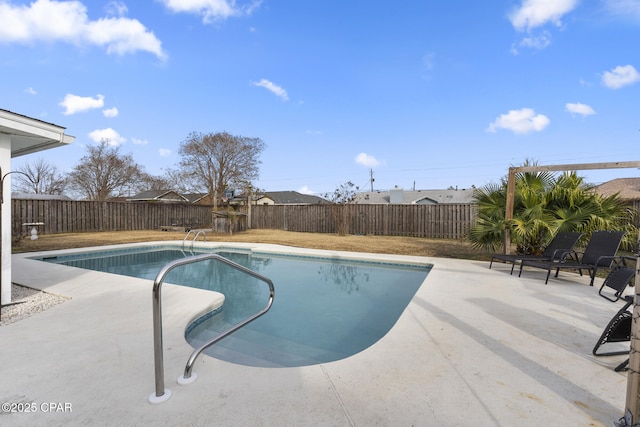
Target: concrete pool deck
column 474, row 347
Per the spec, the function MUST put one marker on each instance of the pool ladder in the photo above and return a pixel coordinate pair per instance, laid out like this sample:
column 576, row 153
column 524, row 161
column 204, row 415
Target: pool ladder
column 195, row 237
column 162, row 394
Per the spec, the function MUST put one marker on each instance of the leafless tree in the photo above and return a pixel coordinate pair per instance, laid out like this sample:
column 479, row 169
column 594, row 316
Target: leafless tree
column 216, row 161
column 153, row 182
column 181, row 181
column 39, row 177
column 104, row 173
column 344, row 195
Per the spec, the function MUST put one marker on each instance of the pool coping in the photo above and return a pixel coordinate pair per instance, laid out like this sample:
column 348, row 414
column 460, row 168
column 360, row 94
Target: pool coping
column 256, row 248
column 473, row 344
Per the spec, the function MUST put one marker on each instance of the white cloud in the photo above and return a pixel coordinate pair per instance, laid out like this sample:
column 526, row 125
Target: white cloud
column 305, row 190
column 627, row 9
column 540, row 41
column 137, row 141
column 109, row 135
column 67, row 21
column 110, row 112
column 164, row 152
column 211, row 10
column 30, row 91
column 273, row 88
column 116, row 8
column 524, row 120
column 578, row 108
column 77, row 104
column 536, row 13
column 367, row 160
column 620, row 76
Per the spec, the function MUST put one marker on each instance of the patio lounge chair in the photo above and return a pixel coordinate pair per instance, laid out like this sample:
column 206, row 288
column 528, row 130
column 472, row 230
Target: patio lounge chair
column 616, row 281
column 561, row 243
column 617, row 330
column 619, row 327
column 599, row 253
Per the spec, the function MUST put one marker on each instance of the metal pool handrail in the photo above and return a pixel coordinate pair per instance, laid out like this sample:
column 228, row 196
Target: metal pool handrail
column 161, row 394
column 197, row 233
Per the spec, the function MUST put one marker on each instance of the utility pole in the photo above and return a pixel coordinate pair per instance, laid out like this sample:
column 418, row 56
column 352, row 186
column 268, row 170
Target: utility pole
column 371, row 179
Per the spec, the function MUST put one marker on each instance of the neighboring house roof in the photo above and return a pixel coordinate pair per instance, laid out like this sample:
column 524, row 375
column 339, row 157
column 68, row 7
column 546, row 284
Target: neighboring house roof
column 199, row 198
column 193, row 198
column 419, row 197
column 294, row 198
column 167, row 196
column 628, row 188
column 281, row 198
column 33, row 196
column 242, row 199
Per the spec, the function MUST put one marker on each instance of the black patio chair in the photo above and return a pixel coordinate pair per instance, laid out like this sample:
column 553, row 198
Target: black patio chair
column 562, row 242
column 619, row 327
column 617, row 330
column 616, row 281
column 599, row 253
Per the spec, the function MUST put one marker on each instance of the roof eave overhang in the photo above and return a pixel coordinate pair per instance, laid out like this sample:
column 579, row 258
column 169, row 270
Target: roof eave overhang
column 30, row 135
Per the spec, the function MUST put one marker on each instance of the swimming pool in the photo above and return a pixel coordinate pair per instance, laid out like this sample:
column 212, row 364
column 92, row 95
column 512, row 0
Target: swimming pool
column 326, row 309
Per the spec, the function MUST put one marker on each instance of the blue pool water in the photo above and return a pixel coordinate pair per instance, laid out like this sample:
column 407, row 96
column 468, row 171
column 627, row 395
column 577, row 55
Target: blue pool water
column 324, row 309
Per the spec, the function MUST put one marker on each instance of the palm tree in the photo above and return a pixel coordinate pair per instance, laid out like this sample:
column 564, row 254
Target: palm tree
column 543, row 206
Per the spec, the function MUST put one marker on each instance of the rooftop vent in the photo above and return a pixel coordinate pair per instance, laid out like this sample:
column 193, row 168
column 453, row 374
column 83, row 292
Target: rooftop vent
column 396, row 196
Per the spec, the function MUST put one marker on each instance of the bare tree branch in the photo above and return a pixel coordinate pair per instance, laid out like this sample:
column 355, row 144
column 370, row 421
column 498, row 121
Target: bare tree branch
column 215, row 162
column 104, row 173
column 39, row 177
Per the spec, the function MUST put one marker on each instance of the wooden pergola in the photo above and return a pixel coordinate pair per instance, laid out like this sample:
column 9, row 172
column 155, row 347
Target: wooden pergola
column 632, row 407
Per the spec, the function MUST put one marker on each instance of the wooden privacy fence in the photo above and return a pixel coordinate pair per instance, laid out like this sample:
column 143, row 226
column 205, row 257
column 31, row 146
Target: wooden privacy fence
column 70, row 216
column 447, row 221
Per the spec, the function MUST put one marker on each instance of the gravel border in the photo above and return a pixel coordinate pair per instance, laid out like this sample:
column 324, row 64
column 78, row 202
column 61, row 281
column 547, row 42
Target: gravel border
column 30, row 301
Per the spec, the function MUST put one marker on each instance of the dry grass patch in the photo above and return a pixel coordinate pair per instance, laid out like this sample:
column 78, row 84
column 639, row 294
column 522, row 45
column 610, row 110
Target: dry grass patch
column 415, row 246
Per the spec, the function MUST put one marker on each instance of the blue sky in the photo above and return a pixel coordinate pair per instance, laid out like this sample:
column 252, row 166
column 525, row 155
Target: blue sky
column 430, row 94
